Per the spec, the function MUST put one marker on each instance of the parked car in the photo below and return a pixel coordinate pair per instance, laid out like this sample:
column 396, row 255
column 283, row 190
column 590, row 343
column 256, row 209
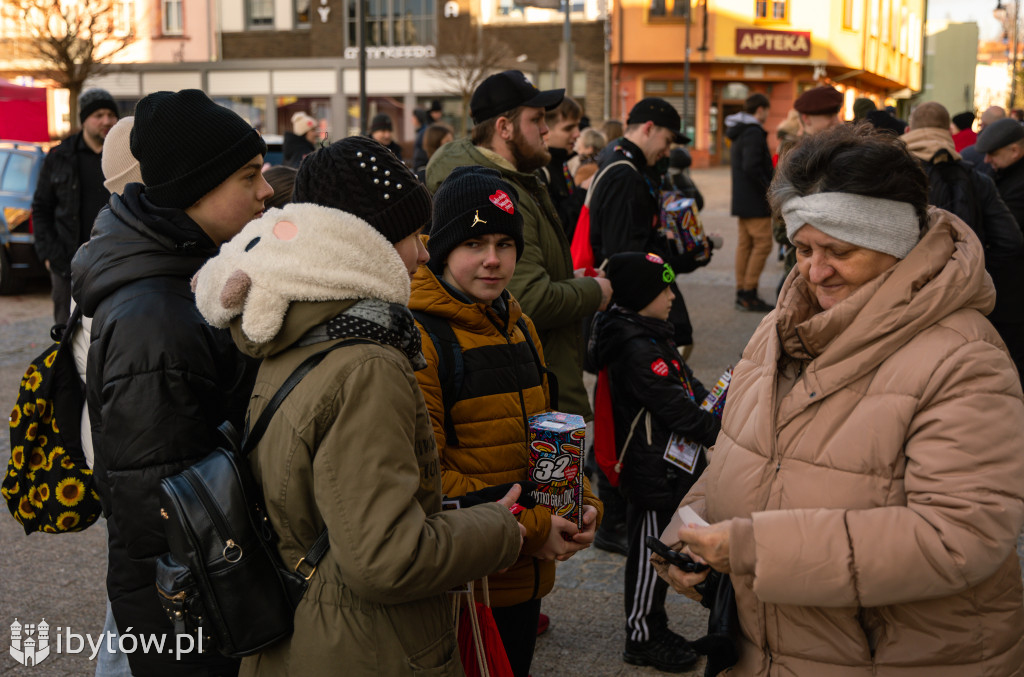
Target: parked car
column 20, row 163
column 275, row 154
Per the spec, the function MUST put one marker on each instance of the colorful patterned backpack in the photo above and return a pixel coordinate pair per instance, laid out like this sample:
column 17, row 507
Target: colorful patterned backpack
column 48, row 487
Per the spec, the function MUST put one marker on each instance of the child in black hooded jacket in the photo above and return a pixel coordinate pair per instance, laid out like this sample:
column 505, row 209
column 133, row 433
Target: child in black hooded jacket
column 653, row 395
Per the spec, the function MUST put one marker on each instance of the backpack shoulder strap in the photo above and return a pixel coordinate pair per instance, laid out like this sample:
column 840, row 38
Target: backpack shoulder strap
column 597, row 177
column 541, row 367
column 451, row 367
column 253, row 435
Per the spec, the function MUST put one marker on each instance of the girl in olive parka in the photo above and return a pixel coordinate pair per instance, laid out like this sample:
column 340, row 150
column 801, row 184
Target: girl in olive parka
column 351, row 449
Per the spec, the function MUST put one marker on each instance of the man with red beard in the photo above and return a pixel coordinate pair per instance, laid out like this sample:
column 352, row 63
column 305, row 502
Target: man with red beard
column 508, row 136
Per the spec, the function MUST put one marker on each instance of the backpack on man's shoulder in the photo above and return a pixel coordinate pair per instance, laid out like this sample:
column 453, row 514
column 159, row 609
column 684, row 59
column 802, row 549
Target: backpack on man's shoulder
column 581, row 250
column 48, row 486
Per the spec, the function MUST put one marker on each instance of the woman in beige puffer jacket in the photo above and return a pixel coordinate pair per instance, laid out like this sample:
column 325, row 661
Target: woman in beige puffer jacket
column 867, row 489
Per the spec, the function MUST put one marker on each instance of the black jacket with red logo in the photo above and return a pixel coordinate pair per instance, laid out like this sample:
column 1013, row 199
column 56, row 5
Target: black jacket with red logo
column 646, row 372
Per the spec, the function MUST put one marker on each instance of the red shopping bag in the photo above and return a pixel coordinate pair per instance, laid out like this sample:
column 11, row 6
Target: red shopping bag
column 480, row 647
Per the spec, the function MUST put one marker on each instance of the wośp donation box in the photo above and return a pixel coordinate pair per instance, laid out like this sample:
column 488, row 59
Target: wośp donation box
column 557, row 442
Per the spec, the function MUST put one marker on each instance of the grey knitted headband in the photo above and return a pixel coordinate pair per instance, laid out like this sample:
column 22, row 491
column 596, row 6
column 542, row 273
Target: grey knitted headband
column 885, row 226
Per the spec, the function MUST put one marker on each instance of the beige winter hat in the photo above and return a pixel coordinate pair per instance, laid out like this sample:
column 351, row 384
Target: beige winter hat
column 302, row 123
column 119, row 165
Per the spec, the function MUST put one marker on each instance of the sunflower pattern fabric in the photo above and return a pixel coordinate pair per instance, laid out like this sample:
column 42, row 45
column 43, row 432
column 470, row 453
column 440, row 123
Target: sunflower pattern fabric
column 47, row 486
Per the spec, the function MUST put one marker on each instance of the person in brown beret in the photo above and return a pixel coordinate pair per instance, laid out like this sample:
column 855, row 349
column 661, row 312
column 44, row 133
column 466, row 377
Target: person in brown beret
column 819, row 108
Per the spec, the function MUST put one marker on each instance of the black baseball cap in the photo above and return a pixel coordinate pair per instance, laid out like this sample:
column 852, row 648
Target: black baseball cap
column 505, row 91
column 661, row 113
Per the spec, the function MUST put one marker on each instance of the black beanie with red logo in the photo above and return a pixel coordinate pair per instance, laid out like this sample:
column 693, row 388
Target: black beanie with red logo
column 472, row 201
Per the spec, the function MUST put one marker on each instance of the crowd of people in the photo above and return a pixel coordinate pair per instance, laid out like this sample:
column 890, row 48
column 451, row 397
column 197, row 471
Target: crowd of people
column 863, row 490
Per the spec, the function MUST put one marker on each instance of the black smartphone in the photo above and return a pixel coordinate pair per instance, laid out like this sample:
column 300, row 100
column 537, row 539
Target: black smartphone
column 674, row 557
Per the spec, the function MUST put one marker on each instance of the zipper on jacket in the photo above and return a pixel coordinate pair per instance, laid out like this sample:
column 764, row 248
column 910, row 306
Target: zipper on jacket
column 519, row 387
column 232, row 551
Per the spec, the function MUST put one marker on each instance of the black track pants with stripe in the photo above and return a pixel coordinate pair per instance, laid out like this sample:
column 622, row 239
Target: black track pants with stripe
column 645, row 591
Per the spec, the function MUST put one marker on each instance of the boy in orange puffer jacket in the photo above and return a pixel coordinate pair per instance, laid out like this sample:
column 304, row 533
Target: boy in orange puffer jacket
column 484, row 378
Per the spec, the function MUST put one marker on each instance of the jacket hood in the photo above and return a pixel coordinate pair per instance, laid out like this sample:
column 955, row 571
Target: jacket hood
column 303, row 252
column 736, row 123
column 430, row 295
column 133, row 239
column 927, row 142
column 614, row 328
column 943, row 274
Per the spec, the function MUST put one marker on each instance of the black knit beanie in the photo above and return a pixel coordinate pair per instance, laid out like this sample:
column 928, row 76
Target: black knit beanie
column 637, row 278
column 472, row 201
column 92, row 100
column 963, row 120
column 187, row 145
column 359, row 176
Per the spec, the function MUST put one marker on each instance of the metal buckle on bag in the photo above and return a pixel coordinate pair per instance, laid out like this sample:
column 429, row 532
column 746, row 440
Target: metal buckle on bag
column 306, row 576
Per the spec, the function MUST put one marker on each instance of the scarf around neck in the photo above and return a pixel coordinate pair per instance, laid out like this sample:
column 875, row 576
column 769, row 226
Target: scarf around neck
column 389, row 323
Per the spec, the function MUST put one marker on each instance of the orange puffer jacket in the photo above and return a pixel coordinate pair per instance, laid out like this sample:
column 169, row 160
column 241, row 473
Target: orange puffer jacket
column 872, row 455
column 501, row 387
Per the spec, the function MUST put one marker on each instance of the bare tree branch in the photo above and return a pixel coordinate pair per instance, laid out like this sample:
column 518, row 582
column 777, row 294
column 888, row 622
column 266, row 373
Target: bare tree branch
column 67, row 42
column 466, row 60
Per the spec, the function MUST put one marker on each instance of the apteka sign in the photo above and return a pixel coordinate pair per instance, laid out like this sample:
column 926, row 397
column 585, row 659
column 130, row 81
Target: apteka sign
column 757, row 42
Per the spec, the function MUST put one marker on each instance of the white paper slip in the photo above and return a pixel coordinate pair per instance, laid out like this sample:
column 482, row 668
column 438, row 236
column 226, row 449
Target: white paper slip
column 689, row 516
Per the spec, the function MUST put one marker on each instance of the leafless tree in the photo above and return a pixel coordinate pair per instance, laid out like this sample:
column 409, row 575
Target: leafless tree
column 465, row 59
column 66, row 41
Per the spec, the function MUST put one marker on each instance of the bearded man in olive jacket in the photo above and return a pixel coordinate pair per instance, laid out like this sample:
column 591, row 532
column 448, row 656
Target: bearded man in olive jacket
column 508, row 113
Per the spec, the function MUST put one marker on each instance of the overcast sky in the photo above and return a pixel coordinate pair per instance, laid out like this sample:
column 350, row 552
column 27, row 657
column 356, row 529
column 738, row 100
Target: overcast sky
column 968, row 10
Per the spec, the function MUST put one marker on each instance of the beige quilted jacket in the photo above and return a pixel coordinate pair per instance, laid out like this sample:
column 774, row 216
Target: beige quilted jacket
column 875, row 453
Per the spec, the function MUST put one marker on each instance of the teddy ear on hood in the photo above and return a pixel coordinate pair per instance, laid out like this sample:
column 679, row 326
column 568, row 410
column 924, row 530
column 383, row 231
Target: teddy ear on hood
column 303, row 252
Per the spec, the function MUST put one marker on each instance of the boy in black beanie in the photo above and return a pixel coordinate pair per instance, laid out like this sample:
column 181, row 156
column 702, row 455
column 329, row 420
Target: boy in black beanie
column 160, row 380
column 479, row 408
column 650, row 394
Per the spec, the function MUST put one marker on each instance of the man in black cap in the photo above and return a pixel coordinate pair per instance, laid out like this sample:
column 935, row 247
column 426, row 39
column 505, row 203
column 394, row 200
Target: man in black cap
column 972, row 153
column 819, row 108
column 70, row 193
column 508, row 135
column 160, row 379
column 624, row 204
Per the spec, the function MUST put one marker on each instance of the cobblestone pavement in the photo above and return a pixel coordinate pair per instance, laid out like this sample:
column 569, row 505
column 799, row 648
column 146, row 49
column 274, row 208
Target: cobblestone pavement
column 60, row 578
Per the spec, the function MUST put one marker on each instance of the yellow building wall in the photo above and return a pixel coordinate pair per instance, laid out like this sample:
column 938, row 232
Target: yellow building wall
column 889, row 48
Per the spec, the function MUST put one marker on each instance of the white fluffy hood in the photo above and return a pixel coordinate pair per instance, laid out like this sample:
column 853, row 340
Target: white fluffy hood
column 303, row 252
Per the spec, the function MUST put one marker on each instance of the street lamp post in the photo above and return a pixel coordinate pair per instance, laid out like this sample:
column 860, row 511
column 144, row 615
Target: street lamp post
column 1000, row 14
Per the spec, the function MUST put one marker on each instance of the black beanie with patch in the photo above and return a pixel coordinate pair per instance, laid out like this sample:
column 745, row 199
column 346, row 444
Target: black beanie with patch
column 637, row 278
column 359, row 176
column 187, row 145
column 471, row 202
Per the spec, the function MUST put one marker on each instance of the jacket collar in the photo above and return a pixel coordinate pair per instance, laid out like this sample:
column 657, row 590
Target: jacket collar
column 944, row 273
column 631, row 152
column 926, row 144
column 431, row 295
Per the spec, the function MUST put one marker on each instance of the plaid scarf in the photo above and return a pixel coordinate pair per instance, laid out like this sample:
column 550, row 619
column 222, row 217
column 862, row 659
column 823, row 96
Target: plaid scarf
column 388, row 323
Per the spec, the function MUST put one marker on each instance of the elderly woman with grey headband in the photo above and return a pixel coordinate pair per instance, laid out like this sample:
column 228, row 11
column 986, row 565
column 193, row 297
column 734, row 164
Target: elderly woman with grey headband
column 865, row 493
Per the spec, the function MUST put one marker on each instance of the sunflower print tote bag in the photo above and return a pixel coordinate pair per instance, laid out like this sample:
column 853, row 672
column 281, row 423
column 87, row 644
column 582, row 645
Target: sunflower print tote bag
column 48, row 487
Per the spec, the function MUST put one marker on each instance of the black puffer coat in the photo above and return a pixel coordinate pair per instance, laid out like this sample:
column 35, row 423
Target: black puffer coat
column 294, row 148
column 645, row 371
column 751, row 165
column 160, row 381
